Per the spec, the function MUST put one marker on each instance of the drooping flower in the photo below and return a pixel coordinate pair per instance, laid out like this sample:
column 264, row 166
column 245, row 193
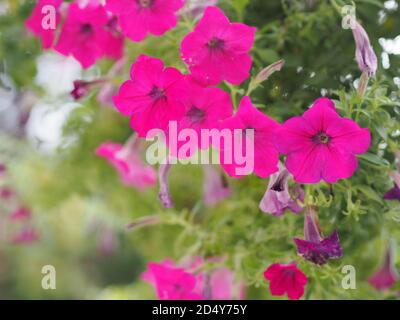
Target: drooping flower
column 109, row 89
column 215, row 186
column 277, row 199
column 25, row 236
column 3, row 169
column 82, row 87
column 21, row 213
column 84, row 34
column 126, row 160
column 286, row 278
column 387, row 275
column 152, row 97
column 138, row 18
column 218, row 50
column 171, row 282
column 320, row 145
column 164, row 194
column 265, row 157
column 44, row 20
column 394, row 193
column 365, row 55
column 204, row 108
column 56, row 73
column 314, row 247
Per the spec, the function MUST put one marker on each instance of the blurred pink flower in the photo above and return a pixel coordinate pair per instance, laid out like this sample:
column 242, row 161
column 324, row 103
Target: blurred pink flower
column 84, row 34
column 25, row 237
column 6, row 193
column 277, row 199
column 386, row 276
column 39, row 24
column 286, row 278
column 314, row 247
column 265, row 156
column 320, row 145
column 140, row 17
column 126, row 160
column 186, row 282
column 170, row 282
column 21, row 213
column 218, row 50
column 215, row 186
column 152, row 97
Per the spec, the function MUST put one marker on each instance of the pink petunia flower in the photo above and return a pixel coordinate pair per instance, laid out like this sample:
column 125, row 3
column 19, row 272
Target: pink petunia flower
column 187, row 282
column 218, row 50
column 21, row 213
column 286, row 278
column 277, row 199
column 152, row 97
column 265, row 156
column 171, row 282
column 314, row 247
column 320, row 145
column 204, row 108
column 138, row 18
column 84, row 34
column 215, row 186
column 126, row 160
column 387, row 275
column 41, row 22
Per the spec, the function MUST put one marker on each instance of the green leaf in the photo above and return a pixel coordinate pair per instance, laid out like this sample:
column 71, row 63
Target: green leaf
column 374, row 159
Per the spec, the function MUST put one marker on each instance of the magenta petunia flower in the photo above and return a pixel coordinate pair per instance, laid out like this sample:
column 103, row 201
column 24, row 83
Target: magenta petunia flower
column 21, row 213
column 286, row 278
column 152, row 97
column 314, row 248
column 171, row 282
column 40, row 22
column 277, row 199
column 84, row 34
column 218, row 50
column 187, row 282
column 126, row 160
column 215, row 186
column 265, row 156
column 204, row 108
column 320, row 145
column 138, row 18
column 387, row 275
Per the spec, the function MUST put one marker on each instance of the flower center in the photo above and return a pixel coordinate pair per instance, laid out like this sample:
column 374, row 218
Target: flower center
column 157, row 93
column 195, row 114
column 321, row 138
column 86, row 28
column 145, row 3
column 215, row 43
